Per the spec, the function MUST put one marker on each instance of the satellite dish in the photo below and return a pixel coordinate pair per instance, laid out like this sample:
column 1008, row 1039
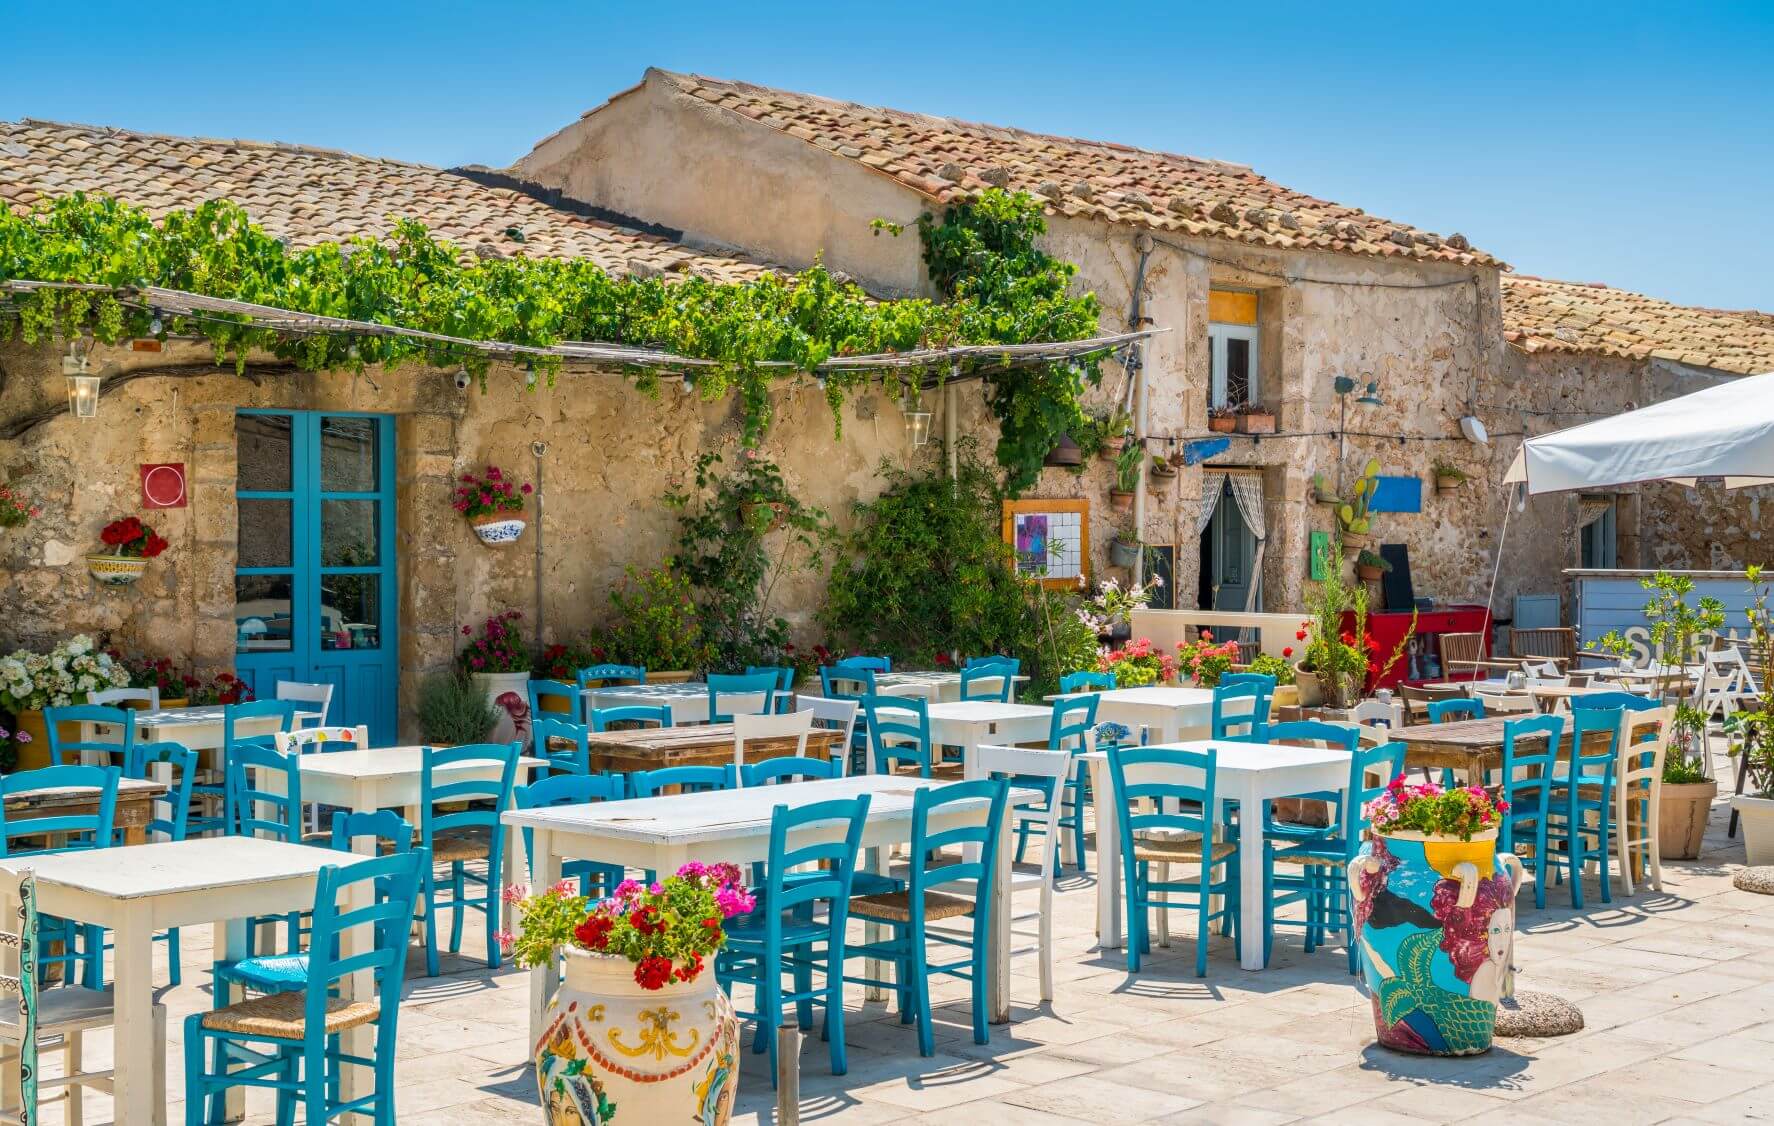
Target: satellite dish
column 1474, row 430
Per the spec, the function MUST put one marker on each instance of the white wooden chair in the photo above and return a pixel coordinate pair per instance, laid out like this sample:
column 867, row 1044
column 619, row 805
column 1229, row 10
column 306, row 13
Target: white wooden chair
column 1504, row 703
column 66, row 1013
column 1638, row 770
column 1546, row 672
column 794, row 725
column 1381, row 713
column 310, row 740
column 1055, row 766
column 149, row 698
column 834, row 715
column 305, row 693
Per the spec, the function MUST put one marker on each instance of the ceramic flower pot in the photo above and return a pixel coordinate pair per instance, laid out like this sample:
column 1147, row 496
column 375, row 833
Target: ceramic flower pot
column 1448, row 484
column 509, row 692
column 1311, row 694
column 612, row 1052
column 1222, row 424
column 1122, row 553
column 115, row 570
column 1435, row 928
column 1757, row 816
column 1682, row 810
column 496, row 529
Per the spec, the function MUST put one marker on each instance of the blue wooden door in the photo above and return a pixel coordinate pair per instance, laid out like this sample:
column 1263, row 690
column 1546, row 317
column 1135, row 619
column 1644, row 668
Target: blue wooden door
column 314, row 585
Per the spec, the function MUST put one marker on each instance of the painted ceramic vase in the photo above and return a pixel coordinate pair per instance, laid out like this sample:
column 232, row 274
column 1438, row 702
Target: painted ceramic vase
column 1435, row 924
column 496, row 529
column 115, row 570
column 509, row 693
column 612, row 1052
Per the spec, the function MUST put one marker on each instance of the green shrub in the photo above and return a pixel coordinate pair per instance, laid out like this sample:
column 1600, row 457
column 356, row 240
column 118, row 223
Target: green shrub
column 454, row 710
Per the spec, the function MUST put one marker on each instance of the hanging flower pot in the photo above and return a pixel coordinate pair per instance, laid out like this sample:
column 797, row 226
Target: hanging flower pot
column 115, row 570
column 497, row 529
column 1123, row 553
column 132, row 544
column 494, row 505
column 1121, row 501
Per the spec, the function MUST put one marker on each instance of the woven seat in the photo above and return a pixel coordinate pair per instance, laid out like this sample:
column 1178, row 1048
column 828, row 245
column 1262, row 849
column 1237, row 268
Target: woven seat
column 279, row 1016
column 446, row 849
column 896, row 906
column 1186, row 850
column 948, row 769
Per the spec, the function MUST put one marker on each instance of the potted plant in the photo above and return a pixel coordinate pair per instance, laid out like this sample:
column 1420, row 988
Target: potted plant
column 1205, row 661
column 1127, row 476
column 1109, row 612
column 158, row 673
column 1370, row 566
column 1434, row 913
column 657, row 626
column 67, row 674
column 1322, row 491
column 1162, row 467
column 1222, row 419
column 1448, row 476
column 222, row 689
column 453, row 709
column 13, row 744
column 16, row 509
column 1255, row 419
column 132, row 544
column 1755, row 807
column 1123, row 551
column 499, row 662
column 1352, row 514
column 1112, row 429
column 1137, row 664
column 1686, row 800
column 493, row 504
column 1287, row 690
column 639, row 975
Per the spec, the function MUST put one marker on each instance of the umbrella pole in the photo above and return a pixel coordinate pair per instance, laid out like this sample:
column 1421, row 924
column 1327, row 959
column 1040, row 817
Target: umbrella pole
column 1502, row 539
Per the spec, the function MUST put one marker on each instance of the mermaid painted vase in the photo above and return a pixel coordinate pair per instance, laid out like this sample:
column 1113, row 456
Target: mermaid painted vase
column 1435, row 924
column 612, row 1052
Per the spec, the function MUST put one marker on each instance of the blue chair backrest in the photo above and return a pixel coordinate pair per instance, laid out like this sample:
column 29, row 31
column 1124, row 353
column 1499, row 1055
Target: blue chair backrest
column 744, row 684
column 927, row 871
column 115, row 748
column 790, row 768
column 1317, row 731
column 499, row 759
column 1530, row 753
column 1234, row 719
column 785, row 683
column 554, row 690
column 1087, row 682
column 1592, row 757
column 640, row 715
column 988, row 679
column 565, row 789
column 838, row 682
column 688, row 779
column 818, row 872
column 870, row 664
column 82, row 830
column 395, row 879
column 1628, row 700
column 1267, row 680
column 1371, row 770
column 549, row 734
column 610, row 674
column 1071, row 724
column 1162, row 788
column 258, row 808
column 899, row 729
column 1441, row 711
column 233, row 714
column 172, row 810
column 387, row 828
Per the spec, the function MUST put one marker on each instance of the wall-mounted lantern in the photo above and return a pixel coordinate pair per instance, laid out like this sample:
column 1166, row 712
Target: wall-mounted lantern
column 83, row 385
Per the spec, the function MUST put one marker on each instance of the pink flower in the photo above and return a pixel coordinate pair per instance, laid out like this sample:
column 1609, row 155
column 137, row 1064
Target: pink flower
column 505, row 939
column 527, row 490
column 563, row 887
column 514, row 893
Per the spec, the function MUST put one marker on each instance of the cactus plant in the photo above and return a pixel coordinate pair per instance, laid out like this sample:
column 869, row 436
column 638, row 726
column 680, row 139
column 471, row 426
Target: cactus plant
column 1352, row 515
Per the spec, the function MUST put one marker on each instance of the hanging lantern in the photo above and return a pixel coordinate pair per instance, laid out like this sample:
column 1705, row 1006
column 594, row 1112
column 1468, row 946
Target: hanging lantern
column 1065, row 454
column 83, row 386
column 917, row 421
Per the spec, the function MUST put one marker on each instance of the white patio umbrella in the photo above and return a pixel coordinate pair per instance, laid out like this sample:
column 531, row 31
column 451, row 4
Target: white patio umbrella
column 1724, row 432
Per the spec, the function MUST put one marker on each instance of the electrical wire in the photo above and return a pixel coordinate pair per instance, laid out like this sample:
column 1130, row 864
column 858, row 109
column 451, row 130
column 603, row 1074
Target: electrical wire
column 1287, row 277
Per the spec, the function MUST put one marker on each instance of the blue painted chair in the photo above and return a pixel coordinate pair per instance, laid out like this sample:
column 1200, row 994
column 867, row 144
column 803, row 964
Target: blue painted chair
column 266, row 809
column 636, row 715
column 1087, row 682
column 1446, row 711
column 1315, row 732
column 789, row 768
column 573, row 789
column 899, row 731
column 541, row 690
column 1630, row 701
column 840, row 683
column 1585, row 786
column 865, row 663
column 1068, row 730
column 457, row 836
column 907, row 914
column 1263, row 679
column 82, row 944
column 1240, row 712
column 172, row 813
column 799, row 911
column 610, row 674
column 785, row 683
column 562, row 745
column 686, row 780
column 295, row 1053
column 72, row 752
column 754, row 684
column 215, row 795
column 1530, row 768
column 989, row 679
column 1313, row 870
column 1176, row 806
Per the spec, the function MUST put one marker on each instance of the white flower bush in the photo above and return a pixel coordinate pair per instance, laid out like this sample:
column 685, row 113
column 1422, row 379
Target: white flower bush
column 65, row 675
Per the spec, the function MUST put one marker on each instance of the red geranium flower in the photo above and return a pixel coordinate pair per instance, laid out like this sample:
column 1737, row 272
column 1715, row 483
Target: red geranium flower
column 1348, row 638
column 653, row 972
column 646, row 920
column 1287, row 651
column 1299, row 635
column 689, row 970
column 594, row 932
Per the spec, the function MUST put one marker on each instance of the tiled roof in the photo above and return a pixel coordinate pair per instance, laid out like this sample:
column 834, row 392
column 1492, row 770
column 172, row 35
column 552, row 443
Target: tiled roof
column 947, row 160
column 309, row 195
column 1553, row 316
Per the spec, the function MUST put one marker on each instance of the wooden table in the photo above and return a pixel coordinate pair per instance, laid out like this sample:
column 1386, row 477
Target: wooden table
column 136, row 892
column 1473, row 746
column 133, row 811
column 708, row 744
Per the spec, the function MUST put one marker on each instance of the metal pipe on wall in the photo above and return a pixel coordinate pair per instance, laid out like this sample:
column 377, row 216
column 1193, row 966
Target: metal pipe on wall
column 539, row 448
column 1135, row 317
column 949, row 429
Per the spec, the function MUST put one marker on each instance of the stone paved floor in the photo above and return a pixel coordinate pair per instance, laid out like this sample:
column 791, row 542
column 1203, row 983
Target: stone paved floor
column 1677, row 988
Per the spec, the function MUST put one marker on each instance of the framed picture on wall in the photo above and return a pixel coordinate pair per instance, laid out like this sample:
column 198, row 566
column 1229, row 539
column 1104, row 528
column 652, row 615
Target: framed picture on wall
column 1050, row 539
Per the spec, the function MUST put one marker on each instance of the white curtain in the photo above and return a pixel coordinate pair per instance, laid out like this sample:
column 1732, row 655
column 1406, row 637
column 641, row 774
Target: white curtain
column 1247, row 490
column 1590, row 509
column 1212, row 484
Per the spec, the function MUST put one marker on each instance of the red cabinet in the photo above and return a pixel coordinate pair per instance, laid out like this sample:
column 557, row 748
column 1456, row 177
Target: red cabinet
column 1422, row 657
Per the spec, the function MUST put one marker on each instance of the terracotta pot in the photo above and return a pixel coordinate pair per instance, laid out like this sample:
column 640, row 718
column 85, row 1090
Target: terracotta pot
column 509, row 693
column 1757, row 814
column 1368, row 574
column 1222, row 424
column 1681, row 818
column 115, row 570
column 1257, row 422
column 655, row 1055
column 1163, row 471
column 1406, row 891
column 1120, row 501
column 1111, row 447
column 748, row 512
column 1355, row 542
column 496, row 529
column 1448, row 484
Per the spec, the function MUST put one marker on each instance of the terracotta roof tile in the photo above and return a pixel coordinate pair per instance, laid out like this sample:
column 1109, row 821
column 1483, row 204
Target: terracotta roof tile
column 309, row 195
column 1540, row 315
column 1095, row 179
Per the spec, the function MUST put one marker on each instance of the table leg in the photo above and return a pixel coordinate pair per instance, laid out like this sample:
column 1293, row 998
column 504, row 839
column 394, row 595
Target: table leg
column 135, row 834
column 1108, row 866
column 545, row 978
column 1250, row 880
column 356, row 1081
column 873, row 860
column 136, row 1100
column 511, row 874
column 998, row 989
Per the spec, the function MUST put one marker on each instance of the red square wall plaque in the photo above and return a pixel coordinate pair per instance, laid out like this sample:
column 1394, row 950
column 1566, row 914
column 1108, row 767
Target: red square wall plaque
column 163, row 486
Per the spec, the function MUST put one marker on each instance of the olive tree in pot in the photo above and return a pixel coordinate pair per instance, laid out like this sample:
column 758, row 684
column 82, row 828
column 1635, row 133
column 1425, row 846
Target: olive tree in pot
column 1688, row 793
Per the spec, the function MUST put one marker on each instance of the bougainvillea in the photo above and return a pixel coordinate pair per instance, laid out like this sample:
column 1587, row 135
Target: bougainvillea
column 490, row 494
column 498, row 648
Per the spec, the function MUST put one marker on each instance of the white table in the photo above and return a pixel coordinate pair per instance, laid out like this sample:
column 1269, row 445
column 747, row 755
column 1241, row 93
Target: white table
column 1251, row 773
column 1171, row 713
column 201, row 728
column 688, row 700
column 136, row 891
column 969, row 723
column 663, row 833
column 937, row 687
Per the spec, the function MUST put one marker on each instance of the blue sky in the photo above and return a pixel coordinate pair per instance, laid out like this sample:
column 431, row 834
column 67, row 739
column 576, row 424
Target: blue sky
column 1631, row 143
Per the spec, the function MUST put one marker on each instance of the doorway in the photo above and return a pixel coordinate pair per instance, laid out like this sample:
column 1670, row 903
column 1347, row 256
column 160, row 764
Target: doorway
column 1228, row 555
column 314, row 582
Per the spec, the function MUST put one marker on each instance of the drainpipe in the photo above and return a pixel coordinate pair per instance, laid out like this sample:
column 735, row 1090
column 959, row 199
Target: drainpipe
column 1137, row 392
column 539, row 448
column 949, row 427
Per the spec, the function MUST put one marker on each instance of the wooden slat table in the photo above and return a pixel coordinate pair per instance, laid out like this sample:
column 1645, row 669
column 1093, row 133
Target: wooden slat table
column 134, row 809
column 1473, row 746
column 709, row 744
